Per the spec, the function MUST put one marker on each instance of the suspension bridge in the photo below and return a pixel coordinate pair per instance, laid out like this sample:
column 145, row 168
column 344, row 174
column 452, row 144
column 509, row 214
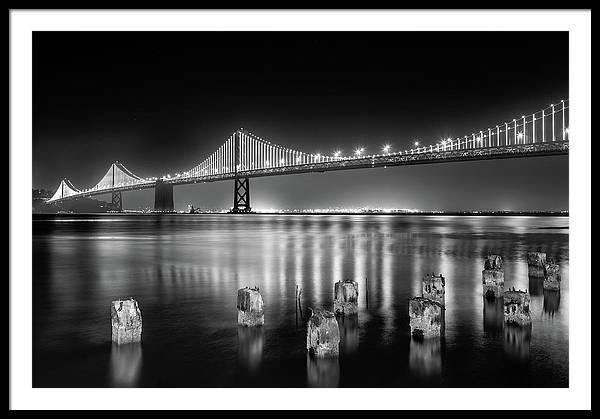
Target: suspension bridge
column 245, row 155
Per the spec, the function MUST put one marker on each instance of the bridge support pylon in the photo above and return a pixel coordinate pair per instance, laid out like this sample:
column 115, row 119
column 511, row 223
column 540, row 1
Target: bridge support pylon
column 163, row 197
column 117, row 201
column 241, row 196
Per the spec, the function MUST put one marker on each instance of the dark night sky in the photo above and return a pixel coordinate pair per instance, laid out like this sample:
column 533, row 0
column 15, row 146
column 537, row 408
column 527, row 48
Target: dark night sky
column 162, row 101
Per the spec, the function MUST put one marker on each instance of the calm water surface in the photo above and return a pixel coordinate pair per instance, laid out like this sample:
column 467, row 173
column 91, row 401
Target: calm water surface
column 185, row 270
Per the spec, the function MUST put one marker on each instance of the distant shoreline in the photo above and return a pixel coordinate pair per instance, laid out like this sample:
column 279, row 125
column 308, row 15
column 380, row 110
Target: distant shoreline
column 423, row 213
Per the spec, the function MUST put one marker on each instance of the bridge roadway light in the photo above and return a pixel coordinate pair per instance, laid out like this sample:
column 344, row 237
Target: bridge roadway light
column 359, row 151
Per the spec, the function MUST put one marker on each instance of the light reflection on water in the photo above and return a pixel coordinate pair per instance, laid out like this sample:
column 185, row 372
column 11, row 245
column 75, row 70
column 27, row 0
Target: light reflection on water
column 184, row 270
column 125, row 365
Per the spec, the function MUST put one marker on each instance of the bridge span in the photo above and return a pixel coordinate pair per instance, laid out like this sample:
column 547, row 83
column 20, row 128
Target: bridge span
column 245, row 155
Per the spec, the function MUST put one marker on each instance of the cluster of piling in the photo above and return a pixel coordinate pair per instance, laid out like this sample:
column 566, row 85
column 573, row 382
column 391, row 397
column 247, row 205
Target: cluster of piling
column 427, row 312
column 539, row 266
column 326, row 329
column 544, row 275
column 516, row 302
column 323, row 330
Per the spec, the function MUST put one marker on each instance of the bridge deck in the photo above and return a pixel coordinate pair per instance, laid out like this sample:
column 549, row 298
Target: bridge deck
column 386, row 160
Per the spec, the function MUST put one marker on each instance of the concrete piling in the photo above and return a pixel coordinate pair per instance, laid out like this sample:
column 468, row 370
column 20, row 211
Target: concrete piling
column 516, row 307
column 493, row 283
column 345, row 297
column 427, row 317
column 493, row 262
column 492, row 277
column 250, row 307
column 434, row 288
column 552, row 277
column 323, row 334
column 126, row 321
column 535, row 264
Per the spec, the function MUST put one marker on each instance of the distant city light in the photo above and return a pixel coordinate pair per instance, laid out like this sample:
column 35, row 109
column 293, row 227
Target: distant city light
column 359, row 151
column 386, row 148
column 337, row 153
column 520, row 135
column 416, row 143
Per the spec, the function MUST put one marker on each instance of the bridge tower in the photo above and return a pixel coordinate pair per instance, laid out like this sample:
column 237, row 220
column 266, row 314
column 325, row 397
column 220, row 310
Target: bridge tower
column 117, row 201
column 117, row 198
column 163, row 197
column 241, row 187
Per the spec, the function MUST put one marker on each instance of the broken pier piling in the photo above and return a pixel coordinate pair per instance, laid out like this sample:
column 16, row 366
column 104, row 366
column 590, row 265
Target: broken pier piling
column 516, row 307
column 345, row 297
column 492, row 277
column 535, row 264
column 323, row 334
column 552, row 277
column 434, row 288
column 427, row 317
column 126, row 321
column 250, row 307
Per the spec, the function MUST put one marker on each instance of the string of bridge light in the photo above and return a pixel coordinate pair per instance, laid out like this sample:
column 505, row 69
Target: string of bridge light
column 481, row 139
column 256, row 153
column 485, row 138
